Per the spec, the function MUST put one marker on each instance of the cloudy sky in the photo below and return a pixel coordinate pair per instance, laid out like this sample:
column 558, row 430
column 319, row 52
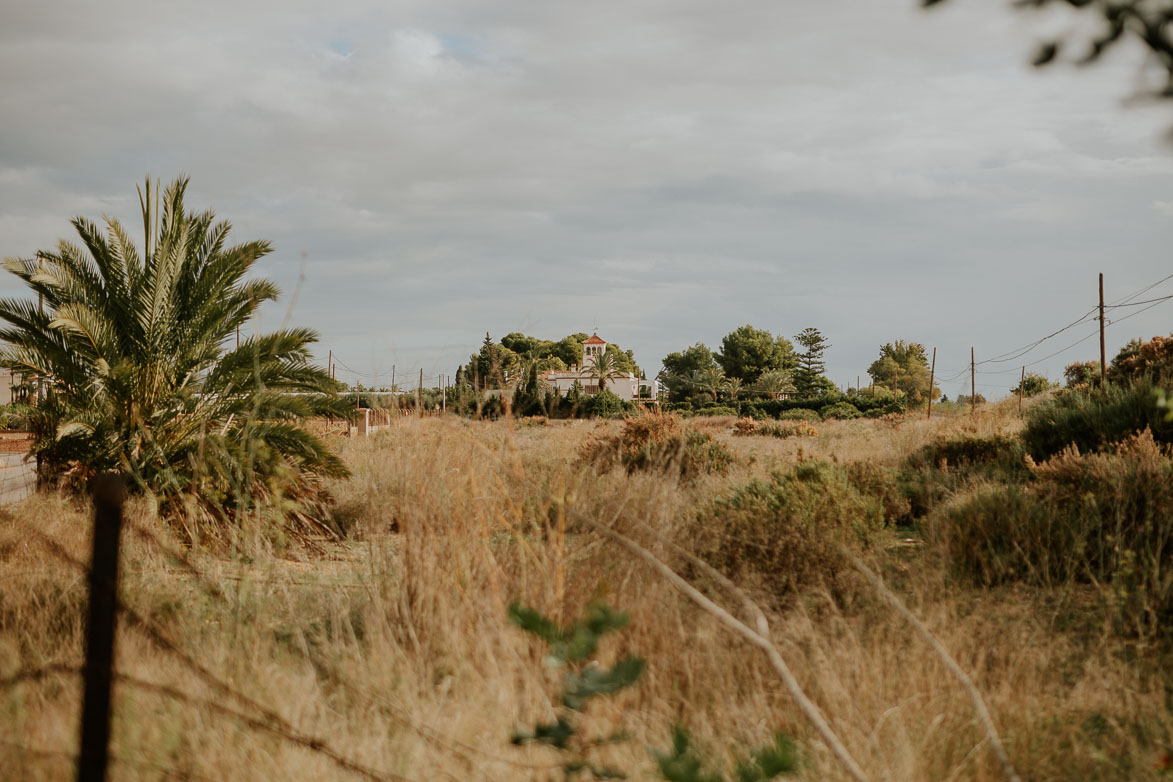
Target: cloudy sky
column 666, row 170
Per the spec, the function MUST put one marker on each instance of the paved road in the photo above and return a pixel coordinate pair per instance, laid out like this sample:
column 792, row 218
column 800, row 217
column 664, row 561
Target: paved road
column 17, row 477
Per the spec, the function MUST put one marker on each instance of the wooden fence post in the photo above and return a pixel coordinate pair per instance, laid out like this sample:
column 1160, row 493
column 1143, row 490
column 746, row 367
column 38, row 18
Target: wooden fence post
column 109, row 495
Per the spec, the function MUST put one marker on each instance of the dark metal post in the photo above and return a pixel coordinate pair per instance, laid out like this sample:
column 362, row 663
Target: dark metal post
column 109, row 495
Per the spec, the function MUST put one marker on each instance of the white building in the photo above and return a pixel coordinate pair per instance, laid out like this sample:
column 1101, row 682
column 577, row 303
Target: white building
column 626, row 388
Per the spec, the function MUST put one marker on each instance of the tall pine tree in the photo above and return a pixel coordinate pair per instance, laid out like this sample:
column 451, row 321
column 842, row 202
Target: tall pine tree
column 808, row 377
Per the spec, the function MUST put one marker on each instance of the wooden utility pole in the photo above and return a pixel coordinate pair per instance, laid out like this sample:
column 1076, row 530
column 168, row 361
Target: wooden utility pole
column 1021, row 388
column 443, row 394
column 972, row 383
column 109, row 495
column 357, row 389
column 1103, row 361
column 329, row 362
column 932, row 375
column 419, row 394
column 392, row 378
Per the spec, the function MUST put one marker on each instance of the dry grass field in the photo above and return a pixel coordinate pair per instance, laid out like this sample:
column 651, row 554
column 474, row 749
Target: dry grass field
column 393, row 649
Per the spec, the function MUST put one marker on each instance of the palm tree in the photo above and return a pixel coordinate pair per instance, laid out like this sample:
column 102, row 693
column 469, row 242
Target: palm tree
column 710, row 381
column 136, row 348
column 774, row 383
column 603, row 368
column 733, row 387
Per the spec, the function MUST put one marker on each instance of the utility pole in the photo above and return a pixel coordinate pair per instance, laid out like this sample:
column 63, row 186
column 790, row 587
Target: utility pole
column 443, row 394
column 357, row 389
column 1103, row 362
column 1021, row 388
column 392, row 378
column 329, row 362
column 932, row 375
column 419, row 394
column 972, row 383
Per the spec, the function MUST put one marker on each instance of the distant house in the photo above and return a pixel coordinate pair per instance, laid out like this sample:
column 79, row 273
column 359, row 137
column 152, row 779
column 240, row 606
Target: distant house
column 626, row 388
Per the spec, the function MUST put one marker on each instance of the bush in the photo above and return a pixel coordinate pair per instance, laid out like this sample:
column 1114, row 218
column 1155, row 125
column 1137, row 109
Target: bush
column 1103, row 518
column 604, row 404
column 659, row 443
column 945, row 466
column 787, row 530
column 840, row 410
column 745, row 427
column 788, row 429
column 885, row 486
column 1091, row 420
column 1032, row 384
column 967, row 451
column 14, row 418
column 754, row 411
column 800, row 414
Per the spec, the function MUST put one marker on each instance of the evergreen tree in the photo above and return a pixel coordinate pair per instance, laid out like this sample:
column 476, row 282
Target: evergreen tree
column 809, row 373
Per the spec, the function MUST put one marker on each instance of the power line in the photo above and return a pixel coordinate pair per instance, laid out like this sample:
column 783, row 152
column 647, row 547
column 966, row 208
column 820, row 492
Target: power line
column 1142, row 290
column 1022, row 351
column 1138, row 303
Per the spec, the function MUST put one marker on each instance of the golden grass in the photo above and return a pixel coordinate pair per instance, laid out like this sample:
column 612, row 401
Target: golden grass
column 395, row 649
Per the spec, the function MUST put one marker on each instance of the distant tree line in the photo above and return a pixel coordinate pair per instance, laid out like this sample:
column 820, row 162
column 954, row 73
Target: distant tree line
column 508, row 377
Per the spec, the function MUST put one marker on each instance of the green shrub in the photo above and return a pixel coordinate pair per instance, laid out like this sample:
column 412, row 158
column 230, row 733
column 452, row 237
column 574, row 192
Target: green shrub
column 787, row 530
column 1090, row 420
column 800, row 414
column 659, row 443
column 604, row 404
column 841, row 410
column 786, row 430
column 1032, row 384
column 885, row 486
column 967, row 451
column 754, row 411
column 1101, row 518
column 936, row 471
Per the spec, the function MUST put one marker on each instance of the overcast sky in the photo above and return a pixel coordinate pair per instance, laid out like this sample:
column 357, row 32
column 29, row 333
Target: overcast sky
column 664, row 169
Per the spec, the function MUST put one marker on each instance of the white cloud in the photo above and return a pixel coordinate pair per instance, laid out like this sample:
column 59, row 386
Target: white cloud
column 853, row 164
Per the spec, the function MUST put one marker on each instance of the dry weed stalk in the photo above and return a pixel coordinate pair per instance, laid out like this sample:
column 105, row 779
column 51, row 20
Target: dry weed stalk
column 939, row 649
column 758, row 639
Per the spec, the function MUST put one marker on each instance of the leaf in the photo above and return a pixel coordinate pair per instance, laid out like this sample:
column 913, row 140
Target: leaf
column 683, row 764
column 773, row 760
column 532, row 621
column 556, row 734
column 597, row 681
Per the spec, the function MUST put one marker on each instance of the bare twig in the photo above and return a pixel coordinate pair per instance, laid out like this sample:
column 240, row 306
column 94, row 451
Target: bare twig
column 754, row 610
column 942, row 653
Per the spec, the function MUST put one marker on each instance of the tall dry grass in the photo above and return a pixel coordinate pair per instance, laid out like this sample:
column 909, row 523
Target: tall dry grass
column 395, row 649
